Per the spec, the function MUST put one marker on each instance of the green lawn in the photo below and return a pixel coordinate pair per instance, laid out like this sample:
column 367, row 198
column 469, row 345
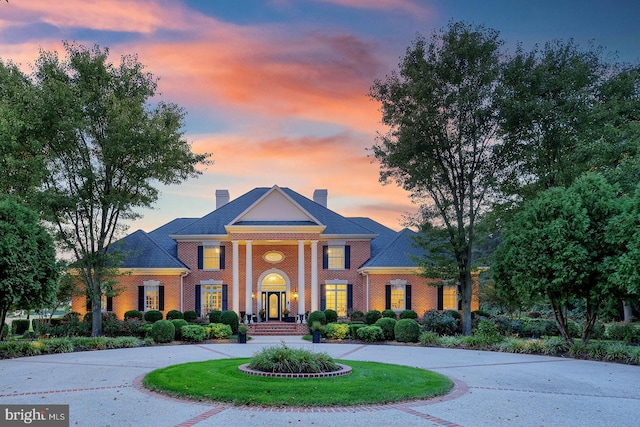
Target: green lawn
column 369, row 383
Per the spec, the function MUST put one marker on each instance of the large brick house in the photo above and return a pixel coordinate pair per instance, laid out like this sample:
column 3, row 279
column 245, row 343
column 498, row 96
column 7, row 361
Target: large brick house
column 268, row 251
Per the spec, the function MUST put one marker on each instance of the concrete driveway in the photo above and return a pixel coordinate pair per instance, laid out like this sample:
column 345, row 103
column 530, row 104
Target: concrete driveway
column 492, row 389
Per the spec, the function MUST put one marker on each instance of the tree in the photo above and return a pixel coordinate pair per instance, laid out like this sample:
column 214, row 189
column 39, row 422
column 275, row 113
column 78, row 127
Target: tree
column 106, row 151
column 20, row 148
column 440, row 146
column 28, row 269
column 559, row 246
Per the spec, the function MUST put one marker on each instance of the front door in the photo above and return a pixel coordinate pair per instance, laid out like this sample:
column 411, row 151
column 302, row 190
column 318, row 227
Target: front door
column 274, row 302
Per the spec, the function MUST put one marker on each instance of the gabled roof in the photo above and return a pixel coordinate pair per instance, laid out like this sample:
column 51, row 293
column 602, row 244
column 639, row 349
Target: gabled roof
column 161, row 234
column 142, row 251
column 309, row 213
column 398, row 252
column 385, row 234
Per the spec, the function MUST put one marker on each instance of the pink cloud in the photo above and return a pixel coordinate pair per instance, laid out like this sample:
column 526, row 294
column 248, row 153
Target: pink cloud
column 407, row 6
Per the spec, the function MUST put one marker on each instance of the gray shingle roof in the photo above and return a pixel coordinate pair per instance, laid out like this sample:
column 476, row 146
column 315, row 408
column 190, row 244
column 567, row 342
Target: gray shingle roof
column 398, row 252
column 142, row 251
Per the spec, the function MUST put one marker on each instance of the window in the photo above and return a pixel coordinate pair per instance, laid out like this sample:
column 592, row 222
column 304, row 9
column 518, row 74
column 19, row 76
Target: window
column 211, row 257
column 336, row 257
column 210, row 298
column 449, row 298
column 397, row 297
column 151, row 298
column 336, row 298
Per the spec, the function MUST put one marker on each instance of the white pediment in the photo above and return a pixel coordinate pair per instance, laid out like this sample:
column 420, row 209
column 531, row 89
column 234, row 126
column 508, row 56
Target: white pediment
column 275, row 205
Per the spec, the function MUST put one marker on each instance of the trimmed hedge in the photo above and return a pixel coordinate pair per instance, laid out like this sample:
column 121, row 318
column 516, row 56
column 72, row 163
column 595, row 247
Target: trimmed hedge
column 372, row 317
column 214, row 316
column 133, row 314
column 389, row 313
column 387, row 325
column 408, row 314
column 152, row 316
column 193, row 333
column 316, row 316
column 331, row 316
column 163, row 331
column 20, row 326
column 357, row 316
column 407, row 330
column 230, row 317
column 174, row 314
column 190, row 316
column 370, row 334
column 178, row 324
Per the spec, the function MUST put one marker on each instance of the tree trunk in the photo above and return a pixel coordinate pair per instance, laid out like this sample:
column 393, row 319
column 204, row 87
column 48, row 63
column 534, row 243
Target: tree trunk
column 589, row 322
column 561, row 321
column 96, row 308
column 466, row 289
column 627, row 311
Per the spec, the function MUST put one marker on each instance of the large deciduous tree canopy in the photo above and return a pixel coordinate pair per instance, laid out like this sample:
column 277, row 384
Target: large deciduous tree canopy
column 107, row 148
column 28, row 269
column 567, row 245
column 441, row 113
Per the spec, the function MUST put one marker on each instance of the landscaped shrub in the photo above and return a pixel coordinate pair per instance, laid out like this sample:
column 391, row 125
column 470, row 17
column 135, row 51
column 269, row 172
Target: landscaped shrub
column 337, row 331
column 538, row 327
column 370, row 334
column 353, row 329
column 408, row 314
column 19, row 326
column 133, row 327
column 152, row 316
column 163, row 331
column 218, row 331
column 58, row 345
column 331, row 316
column 480, row 313
column 229, row 317
column 112, row 327
column 407, row 330
column 214, row 316
column 133, row 314
column 317, row 316
column 357, row 316
column 488, row 332
column 193, row 333
column 174, row 314
column 190, row 316
column 389, row 313
column 387, row 325
column 283, row 359
column 453, row 313
column 441, row 324
column 428, row 338
column 372, row 317
column 625, row 332
column 178, row 324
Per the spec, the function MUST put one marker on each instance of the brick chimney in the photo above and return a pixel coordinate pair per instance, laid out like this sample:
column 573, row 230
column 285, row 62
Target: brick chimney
column 320, row 197
column 222, row 198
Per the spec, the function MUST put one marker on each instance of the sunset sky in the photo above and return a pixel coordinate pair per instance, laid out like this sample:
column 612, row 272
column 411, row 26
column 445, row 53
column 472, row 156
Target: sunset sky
column 277, row 89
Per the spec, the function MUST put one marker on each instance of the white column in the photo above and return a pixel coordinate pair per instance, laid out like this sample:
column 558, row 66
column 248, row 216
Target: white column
column 235, row 286
column 249, row 291
column 314, row 276
column 300, row 277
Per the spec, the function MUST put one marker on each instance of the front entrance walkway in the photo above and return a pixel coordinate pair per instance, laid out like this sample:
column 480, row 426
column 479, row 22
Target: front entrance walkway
column 103, row 388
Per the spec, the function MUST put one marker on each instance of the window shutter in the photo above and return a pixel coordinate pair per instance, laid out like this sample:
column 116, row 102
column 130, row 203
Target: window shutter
column 161, row 298
column 325, row 257
column 89, row 308
column 407, row 297
column 349, row 298
column 109, row 303
column 458, row 293
column 140, row 298
column 440, row 297
column 323, row 298
column 200, row 257
column 198, row 304
column 387, row 297
column 225, row 297
column 222, row 256
column 347, row 257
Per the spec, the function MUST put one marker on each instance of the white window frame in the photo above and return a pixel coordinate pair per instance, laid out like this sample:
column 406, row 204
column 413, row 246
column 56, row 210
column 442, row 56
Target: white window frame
column 339, row 288
column 336, row 257
column 211, row 252
column 398, row 285
column 151, row 286
column 212, row 288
